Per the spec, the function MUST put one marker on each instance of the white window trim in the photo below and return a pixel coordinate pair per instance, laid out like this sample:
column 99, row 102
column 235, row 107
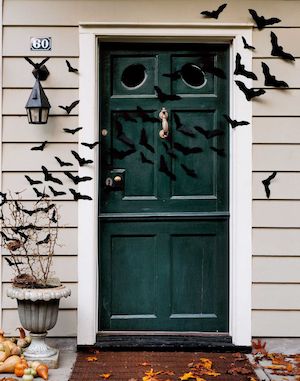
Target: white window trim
column 240, row 165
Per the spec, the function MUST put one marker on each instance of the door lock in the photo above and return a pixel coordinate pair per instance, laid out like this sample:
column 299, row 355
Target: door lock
column 115, row 180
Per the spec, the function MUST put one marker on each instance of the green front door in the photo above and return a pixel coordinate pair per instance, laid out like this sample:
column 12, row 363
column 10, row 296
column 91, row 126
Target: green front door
column 164, row 199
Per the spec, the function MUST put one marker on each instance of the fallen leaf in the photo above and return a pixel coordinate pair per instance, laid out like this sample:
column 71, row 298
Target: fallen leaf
column 206, row 363
column 187, row 376
column 132, row 379
column 152, row 373
column 275, row 367
column 259, row 347
column 92, row 358
column 252, row 379
column 145, row 364
column 168, row 373
column 106, row 376
column 239, row 370
column 222, row 357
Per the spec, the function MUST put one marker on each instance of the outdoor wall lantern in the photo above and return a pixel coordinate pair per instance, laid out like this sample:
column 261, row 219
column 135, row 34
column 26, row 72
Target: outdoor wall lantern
column 38, row 106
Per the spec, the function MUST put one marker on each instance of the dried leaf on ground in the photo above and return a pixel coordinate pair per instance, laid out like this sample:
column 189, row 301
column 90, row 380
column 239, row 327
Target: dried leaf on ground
column 106, row 376
column 91, row 358
column 145, row 363
column 259, row 347
column 239, row 370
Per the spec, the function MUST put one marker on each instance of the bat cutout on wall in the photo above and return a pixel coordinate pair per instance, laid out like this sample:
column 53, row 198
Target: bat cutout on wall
column 214, row 14
column 209, row 134
column 76, row 179
column 53, row 217
column 144, row 141
column 183, row 129
column 49, row 177
column 78, row 196
column 3, row 198
column 246, row 45
column 145, row 117
column 189, row 171
column 29, row 226
column 120, row 155
column 163, row 97
column 12, row 263
column 234, row 123
column 90, row 145
column 249, row 93
column 32, row 212
column 63, row 163
column 55, row 192
column 219, row 151
column 21, row 234
column 240, row 68
column 81, row 160
column 68, row 109
column 40, row 194
column 164, row 169
column 169, row 150
column 71, row 69
column 261, row 21
column 145, row 160
column 267, row 183
column 4, row 236
column 72, row 131
column 187, row 150
column 127, row 117
column 270, row 80
column 39, row 148
column 277, row 50
column 45, row 240
column 33, row 182
column 123, row 137
column 37, row 65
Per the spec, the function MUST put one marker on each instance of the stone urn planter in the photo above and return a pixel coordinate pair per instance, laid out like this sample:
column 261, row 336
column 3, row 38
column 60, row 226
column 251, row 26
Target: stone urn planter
column 38, row 311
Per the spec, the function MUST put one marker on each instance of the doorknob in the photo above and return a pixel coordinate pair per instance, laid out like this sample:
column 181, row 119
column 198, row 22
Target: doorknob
column 164, row 123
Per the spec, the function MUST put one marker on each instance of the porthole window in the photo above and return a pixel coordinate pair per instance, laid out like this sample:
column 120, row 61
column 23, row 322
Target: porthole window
column 192, row 75
column 134, row 76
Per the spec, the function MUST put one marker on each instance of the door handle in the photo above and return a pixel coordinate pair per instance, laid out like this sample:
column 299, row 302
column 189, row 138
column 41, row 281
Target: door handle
column 163, row 115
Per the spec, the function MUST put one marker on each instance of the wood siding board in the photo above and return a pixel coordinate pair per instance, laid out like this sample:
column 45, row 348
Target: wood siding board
column 278, row 102
column 276, row 269
column 276, row 242
column 285, row 186
column 276, row 296
column 276, row 323
column 274, row 157
column 276, row 130
column 276, row 214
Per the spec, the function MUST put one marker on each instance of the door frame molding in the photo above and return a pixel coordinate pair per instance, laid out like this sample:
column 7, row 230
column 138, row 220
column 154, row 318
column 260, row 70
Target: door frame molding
column 240, row 275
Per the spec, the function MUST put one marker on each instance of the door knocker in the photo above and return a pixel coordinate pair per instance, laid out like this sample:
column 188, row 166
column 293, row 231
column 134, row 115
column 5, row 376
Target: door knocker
column 164, row 123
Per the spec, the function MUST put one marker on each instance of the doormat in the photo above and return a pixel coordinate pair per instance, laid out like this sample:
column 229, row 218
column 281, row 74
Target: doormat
column 161, row 366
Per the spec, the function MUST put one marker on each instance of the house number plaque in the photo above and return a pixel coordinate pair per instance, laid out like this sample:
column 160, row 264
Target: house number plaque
column 41, row 43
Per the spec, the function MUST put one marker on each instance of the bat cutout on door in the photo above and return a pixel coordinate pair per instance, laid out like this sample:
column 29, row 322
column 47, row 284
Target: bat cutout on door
column 240, row 68
column 163, row 97
column 209, row 134
column 214, row 14
column 267, row 182
column 145, row 117
column 270, row 80
column 182, row 128
column 164, row 169
column 121, row 136
column 246, row 45
column 71, row 69
column 120, row 155
column 261, row 21
column 189, row 171
column 234, row 123
column 68, row 109
column 39, row 148
column 277, row 50
column 249, row 93
column 145, row 160
column 127, row 117
column 219, row 151
column 50, row 177
column 169, row 151
column 187, row 150
column 144, row 141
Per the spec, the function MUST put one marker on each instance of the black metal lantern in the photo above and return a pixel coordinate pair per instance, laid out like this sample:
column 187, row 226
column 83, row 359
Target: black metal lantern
column 37, row 106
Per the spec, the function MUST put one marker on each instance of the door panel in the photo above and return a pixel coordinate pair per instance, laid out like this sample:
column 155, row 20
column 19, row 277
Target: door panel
column 164, row 224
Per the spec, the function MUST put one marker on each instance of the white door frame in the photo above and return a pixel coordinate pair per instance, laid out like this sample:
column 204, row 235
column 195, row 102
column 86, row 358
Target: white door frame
column 240, row 164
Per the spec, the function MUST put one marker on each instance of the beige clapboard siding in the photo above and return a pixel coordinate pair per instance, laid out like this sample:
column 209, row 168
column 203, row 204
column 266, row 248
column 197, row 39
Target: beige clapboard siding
column 66, row 323
column 274, row 157
column 16, row 41
column 276, row 130
column 17, row 129
column 65, row 268
column 144, row 11
column 28, row 160
column 269, row 213
column 14, row 181
column 282, row 70
column 14, row 101
column 277, row 102
column 274, row 242
column 276, row 297
column 276, row 323
column 17, row 73
column 65, row 303
column 283, row 186
column 276, row 269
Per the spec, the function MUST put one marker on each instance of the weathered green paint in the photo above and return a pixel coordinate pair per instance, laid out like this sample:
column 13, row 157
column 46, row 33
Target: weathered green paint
column 164, row 244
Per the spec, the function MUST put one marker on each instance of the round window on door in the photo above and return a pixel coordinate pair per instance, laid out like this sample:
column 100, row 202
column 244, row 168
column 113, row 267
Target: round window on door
column 134, row 76
column 193, row 76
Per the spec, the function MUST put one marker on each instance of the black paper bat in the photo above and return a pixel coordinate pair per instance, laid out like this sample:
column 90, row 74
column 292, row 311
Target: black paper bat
column 174, row 76
column 249, row 93
column 39, row 148
column 163, row 97
column 209, row 134
column 4, row 236
column 246, row 45
column 81, row 160
column 145, row 117
column 1, row 216
column 78, row 196
column 120, row 155
column 55, row 192
column 68, row 109
column 53, row 217
column 90, row 145
column 145, row 160
column 32, row 212
column 63, row 163
column 12, row 263
column 262, row 22
column 127, row 117
column 70, row 68
column 33, row 182
column 181, row 128
column 144, row 141
column 49, row 177
column 267, row 183
column 3, row 198
column 164, row 168
column 169, row 150
column 72, row 131
column 234, row 123
column 209, row 67
column 36, row 65
column 219, row 151
column 270, row 80
column 40, row 194
column 29, row 226
column 76, row 179
column 122, row 136
column 277, row 50
column 240, row 68
column 214, row 14
column 187, row 150
column 189, row 171
column 21, row 234
column 45, row 240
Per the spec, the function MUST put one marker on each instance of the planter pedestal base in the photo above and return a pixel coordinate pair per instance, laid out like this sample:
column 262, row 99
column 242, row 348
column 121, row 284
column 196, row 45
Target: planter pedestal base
column 38, row 350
